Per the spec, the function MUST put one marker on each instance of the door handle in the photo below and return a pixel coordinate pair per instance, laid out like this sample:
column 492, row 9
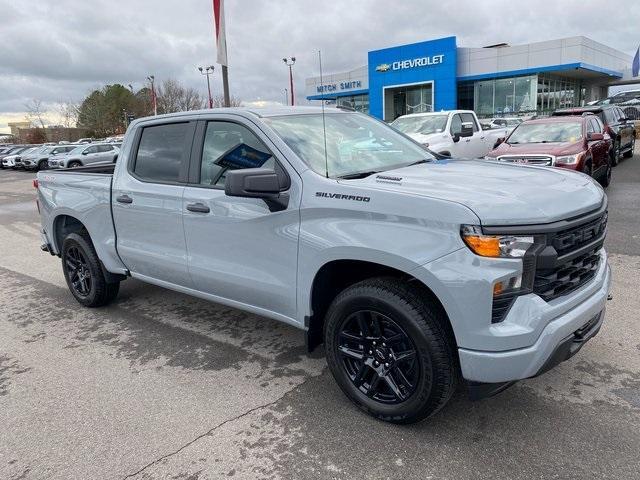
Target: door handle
column 124, row 199
column 198, row 208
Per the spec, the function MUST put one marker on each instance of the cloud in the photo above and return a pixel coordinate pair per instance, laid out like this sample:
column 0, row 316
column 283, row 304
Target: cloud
column 59, row 51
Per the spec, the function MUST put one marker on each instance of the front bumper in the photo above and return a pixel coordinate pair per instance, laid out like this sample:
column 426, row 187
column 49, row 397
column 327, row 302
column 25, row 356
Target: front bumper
column 556, row 342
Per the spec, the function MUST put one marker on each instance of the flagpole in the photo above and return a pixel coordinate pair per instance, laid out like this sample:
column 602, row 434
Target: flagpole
column 221, row 45
column 225, row 86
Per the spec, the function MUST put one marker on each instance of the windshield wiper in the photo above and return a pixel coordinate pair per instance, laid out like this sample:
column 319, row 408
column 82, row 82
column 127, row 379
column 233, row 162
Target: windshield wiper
column 424, row 160
column 351, row 176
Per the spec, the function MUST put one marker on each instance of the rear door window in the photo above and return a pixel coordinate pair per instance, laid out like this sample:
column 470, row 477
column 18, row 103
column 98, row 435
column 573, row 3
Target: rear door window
column 162, row 152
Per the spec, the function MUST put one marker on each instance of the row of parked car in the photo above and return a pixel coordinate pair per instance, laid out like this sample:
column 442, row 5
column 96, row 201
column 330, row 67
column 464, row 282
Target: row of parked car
column 590, row 139
column 69, row 155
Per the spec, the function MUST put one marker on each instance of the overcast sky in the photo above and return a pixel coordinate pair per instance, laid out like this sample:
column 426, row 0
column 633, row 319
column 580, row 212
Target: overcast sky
column 60, row 50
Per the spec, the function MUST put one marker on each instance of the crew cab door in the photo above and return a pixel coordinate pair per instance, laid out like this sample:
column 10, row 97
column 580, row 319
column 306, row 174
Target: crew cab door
column 240, row 249
column 147, row 202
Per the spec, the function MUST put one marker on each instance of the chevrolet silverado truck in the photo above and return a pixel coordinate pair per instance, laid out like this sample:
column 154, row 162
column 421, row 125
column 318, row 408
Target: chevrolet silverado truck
column 453, row 133
column 417, row 274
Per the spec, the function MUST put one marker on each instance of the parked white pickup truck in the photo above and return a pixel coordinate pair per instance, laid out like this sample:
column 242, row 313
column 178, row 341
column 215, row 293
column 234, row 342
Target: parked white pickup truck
column 455, row 133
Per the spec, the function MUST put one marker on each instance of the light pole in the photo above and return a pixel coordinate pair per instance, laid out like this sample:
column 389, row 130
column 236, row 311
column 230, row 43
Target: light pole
column 290, row 62
column 154, row 99
column 286, row 96
column 208, row 71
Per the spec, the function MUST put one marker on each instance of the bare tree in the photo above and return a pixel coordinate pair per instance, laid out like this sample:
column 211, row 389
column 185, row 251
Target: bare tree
column 68, row 112
column 173, row 97
column 35, row 113
column 218, row 101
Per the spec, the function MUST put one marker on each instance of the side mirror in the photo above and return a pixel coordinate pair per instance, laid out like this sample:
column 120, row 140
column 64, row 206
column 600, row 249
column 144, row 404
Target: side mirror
column 455, row 137
column 256, row 183
column 85, row 153
column 594, row 137
column 467, row 129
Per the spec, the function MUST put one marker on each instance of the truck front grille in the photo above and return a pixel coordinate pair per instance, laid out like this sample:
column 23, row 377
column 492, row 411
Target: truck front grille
column 571, row 258
column 567, row 277
column 542, row 160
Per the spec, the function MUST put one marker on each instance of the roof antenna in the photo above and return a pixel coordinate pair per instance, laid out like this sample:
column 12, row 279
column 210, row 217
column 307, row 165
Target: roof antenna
column 324, row 126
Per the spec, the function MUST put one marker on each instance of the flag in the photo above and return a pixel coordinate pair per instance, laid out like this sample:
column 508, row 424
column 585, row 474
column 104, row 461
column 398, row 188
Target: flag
column 635, row 66
column 221, row 35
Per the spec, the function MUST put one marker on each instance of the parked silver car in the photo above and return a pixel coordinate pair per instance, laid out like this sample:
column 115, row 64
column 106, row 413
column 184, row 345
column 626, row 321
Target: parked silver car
column 89, row 154
column 14, row 160
column 39, row 158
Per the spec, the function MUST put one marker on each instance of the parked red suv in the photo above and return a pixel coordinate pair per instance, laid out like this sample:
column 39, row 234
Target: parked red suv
column 576, row 143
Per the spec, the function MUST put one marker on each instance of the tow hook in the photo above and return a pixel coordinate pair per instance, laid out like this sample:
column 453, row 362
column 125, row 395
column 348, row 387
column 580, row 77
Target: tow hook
column 609, row 297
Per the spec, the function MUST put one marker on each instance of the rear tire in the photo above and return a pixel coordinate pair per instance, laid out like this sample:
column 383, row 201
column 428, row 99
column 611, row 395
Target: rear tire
column 629, row 153
column 389, row 351
column 83, row 272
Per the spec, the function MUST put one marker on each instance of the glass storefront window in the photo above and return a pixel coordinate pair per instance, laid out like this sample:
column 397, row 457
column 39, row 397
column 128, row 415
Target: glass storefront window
column 505, row 96
column 360, row 103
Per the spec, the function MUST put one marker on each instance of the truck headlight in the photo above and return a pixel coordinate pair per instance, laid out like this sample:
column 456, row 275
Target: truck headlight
column 569, row 159
column 505, row 246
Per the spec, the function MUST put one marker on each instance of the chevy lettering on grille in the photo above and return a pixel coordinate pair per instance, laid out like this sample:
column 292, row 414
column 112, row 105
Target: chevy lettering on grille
column 582, row 234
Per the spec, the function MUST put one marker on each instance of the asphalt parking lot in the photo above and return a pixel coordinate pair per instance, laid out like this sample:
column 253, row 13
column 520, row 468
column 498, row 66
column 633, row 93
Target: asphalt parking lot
column 161, row 385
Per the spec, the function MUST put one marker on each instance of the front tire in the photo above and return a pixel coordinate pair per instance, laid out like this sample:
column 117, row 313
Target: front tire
column 605, row 179
column 615, row 153
column 42, row 165
column 83, row 272
column 74, row 164
column 389, row 351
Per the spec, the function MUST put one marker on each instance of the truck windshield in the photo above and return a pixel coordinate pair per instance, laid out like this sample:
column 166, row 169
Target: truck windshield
column 546, row 132
column 426, row 124
column 354, row 143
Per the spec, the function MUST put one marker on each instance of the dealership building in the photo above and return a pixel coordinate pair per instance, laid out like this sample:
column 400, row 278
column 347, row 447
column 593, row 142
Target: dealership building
column 495, row 80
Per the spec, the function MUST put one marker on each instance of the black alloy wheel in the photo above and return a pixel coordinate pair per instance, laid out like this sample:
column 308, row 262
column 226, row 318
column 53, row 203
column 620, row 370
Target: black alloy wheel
column 78, row 271
column 88, row 282
column 378, row 356
column 389, row 349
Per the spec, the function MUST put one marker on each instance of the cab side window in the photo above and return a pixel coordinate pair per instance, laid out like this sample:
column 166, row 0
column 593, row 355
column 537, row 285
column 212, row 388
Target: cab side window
column 468, row 118
column 230, row 146
column 590, row 126
column 90, row 150
column 456, row 124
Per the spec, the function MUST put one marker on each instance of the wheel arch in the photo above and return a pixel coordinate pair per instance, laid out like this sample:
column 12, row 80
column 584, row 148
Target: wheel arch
column 63, row 225
column 336, row 275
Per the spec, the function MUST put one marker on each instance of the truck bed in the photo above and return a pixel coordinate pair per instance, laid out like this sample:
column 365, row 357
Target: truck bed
column 106, row 168
column 80, row 194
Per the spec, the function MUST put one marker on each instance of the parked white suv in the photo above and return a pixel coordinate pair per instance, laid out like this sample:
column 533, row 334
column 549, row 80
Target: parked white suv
column 455, row 133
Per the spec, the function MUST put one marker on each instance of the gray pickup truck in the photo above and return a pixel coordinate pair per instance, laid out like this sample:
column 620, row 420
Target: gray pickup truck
column 417, row 273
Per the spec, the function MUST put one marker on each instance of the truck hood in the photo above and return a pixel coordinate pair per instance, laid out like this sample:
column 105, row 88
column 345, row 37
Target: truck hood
column 431, row 138
column 555, row 148
column 499, row 194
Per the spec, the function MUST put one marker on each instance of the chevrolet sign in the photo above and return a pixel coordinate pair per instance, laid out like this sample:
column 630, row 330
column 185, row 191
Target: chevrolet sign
column 411, row 63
